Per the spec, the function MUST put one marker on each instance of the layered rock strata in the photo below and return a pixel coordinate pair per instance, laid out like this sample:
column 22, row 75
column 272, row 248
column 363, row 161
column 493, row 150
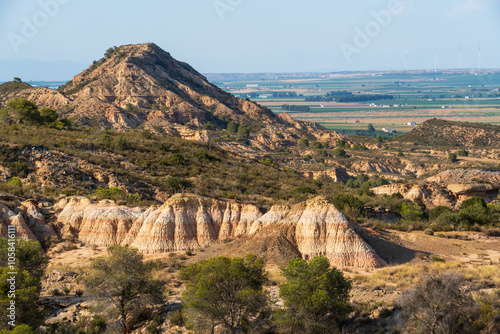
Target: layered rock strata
column 190, row 222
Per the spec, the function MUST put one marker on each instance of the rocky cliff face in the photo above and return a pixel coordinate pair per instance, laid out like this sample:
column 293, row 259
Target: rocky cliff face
column 189, row 222
column 29, row 222
column 41, row 96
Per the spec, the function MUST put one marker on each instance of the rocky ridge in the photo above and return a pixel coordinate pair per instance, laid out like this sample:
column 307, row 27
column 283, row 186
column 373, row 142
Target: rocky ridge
column 190, row 222
column 142, row 86
column 448, row 188
column 438, row 132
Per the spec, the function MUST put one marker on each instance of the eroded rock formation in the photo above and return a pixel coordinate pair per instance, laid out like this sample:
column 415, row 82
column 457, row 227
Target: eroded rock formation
column 448, row 188
column 190, row 222
column 29, row 222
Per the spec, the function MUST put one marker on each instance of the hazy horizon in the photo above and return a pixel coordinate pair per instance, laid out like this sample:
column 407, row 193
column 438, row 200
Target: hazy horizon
column 238, row 36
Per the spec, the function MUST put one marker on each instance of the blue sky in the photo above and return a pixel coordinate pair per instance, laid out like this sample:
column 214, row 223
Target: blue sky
column 259, row 35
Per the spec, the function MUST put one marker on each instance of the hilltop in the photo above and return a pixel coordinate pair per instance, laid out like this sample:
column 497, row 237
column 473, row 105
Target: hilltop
column 142, row 86
column 438, row 132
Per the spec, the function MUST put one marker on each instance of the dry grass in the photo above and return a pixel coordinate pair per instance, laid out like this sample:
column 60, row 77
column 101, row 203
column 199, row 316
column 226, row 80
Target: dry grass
column 275, row 277
column 406, row 276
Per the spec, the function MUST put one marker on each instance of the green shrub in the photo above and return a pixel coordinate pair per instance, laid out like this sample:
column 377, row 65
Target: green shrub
column 233, row 127
column 176, row 159
column 112, row 193
column 339, row 153
column 452, row 157
column 342, row 201
column 176, row 319
column 305, row 190
column 438, row 211
column 209, row 126
column 473, row 202
column 303, row 142
column 15, row 181
column 411, row 212
column 315, row 144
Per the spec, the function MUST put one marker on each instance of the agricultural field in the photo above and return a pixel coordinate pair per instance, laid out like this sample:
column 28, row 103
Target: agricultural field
column 469, row 96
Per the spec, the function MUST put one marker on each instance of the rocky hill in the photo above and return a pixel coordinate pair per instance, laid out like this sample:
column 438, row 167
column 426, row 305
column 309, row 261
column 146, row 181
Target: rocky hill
column 190, row 222
column 143, row 86
column 438, row 132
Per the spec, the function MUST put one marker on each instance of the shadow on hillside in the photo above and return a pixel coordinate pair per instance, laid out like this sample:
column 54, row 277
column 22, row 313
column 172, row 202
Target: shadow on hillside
column 390, row 251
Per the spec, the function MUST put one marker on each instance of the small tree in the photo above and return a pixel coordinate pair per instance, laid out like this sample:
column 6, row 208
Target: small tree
column 452, row 157
column 224, row 291
column 30, row 266
column 48, row 115
column 243, row 132
column 371, row 128
column 339, row 152
column 209, row 126
column 123, row 279
column 20, row 110
column 129, row 107
column 411, row 211
column 315, row 296
column 16, row 79
column 439, row 304
column 233, row 127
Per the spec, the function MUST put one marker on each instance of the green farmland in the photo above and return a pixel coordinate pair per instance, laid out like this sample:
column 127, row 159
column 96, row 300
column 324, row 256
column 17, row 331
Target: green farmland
column 417, row 96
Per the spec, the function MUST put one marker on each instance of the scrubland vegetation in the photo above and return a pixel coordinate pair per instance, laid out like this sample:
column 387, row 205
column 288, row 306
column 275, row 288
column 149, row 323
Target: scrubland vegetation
column 233, row 295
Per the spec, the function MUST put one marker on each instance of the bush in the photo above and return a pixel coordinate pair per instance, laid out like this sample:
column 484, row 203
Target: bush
column 303, row 142
column 305, row 190
column 176, row 159
column 176, row 319
column 438, row 304
column 351, row 206
column 316, row 144
column 411, row 212
column 175, row 183
column 209, row 126
column 339, row 153
column 452, row 157
column 243, row 132
column 473, row 202
column 15, row 181
column 112, row 193
column 438, row 211
column 233, row 127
